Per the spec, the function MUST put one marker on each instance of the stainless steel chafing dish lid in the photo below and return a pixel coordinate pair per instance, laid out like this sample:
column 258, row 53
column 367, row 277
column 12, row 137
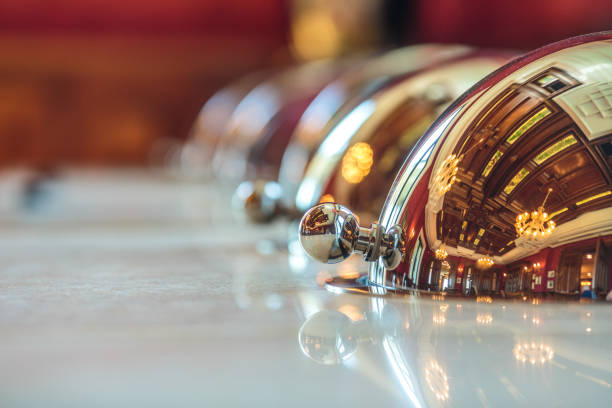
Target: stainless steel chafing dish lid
column 514, row 177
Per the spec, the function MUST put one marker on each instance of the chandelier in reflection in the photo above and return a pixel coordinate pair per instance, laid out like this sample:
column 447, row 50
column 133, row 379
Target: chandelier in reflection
column 485, row 262
column 484, row 318
column 441, row 253
column 535, row 224
column 533, row 353
column 437, row 380
column 447, row 174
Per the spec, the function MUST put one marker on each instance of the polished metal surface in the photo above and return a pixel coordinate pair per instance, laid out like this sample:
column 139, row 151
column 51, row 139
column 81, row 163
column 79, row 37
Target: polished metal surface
column 447, row 351
column 272, row 104
column 331, row 233
column 342, row 95
column 259, row 200
column 287, row 157
column 356, row 162
column 513, row 183
column 210, row 126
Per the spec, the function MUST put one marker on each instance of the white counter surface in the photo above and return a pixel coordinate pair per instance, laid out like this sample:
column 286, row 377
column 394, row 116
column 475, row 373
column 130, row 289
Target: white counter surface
column 126, row 288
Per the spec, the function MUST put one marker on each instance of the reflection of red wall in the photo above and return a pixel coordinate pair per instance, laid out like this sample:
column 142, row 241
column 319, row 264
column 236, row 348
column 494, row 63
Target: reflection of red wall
column 100, row 81
column 414, row 211
column 549, row 260
column 263, row 19
column 518, row 23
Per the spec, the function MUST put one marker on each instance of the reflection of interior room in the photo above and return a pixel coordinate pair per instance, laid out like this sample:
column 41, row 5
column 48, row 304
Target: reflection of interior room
column 559, row 165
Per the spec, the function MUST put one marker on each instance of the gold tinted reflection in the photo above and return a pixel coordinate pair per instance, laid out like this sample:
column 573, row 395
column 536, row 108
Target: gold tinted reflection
column 533, row 353
column 543, row 133
column 327, row 198
column 437, row 380
column 357, row 162
column 315, row 35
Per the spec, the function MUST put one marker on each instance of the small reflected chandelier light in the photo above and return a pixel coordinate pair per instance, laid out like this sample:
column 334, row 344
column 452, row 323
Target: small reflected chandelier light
column 441, row 253
column 535, row 224
column 485, row 262
column 447, row 174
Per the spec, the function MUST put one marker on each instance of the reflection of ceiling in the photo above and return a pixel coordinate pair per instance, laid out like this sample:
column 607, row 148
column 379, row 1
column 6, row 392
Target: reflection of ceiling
column 530, row 145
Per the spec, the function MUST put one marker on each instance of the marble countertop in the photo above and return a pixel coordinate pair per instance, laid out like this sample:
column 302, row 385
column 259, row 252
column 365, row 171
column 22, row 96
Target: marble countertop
column 132, row 288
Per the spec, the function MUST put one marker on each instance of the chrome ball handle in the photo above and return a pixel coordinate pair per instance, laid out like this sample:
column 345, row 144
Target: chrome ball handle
column 330, row 233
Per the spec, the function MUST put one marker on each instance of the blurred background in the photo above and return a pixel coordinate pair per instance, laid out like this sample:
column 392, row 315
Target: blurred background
column 106, row 82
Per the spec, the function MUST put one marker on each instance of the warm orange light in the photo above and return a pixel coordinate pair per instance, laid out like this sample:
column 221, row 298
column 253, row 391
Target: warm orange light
column 347, row 271
column 322, row 277
column 485, row 262
column 447, row 174
column 351, row 311
column 327, row 198
column 484, row 318
column 357, row 162
column 439, row 318
column 437, row 380
column 315, row 35
column 534, row 353
column 441, row 253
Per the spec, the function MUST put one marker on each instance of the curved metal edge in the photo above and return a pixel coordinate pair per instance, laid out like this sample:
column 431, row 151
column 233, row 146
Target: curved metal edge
column 362, row 285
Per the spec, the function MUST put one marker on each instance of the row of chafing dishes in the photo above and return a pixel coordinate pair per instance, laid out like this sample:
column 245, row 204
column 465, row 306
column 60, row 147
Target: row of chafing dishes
column 391, row 135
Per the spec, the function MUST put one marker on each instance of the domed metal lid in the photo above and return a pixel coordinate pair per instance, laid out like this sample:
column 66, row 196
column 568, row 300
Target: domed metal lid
column 511, row 189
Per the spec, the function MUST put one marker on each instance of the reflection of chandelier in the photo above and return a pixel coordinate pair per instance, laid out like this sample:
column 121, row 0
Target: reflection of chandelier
column 437, row 380
column 535, row 224
column 484, row 318
column 441, row 253
column 485, row 262
column 447, row 174
column 534, row 353
column 439, row 318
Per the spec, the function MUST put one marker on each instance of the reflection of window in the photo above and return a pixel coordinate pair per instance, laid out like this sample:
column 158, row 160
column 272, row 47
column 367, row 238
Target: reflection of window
column 546, row 79
column 416, row 260
column 498, row 154
column 528, row 124
column 556, row 86
column 556, row 148
column 516, row 180
column 606, row 149
column 551, row 83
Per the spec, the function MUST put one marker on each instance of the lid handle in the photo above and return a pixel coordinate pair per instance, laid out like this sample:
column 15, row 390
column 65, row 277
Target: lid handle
column 330, row 233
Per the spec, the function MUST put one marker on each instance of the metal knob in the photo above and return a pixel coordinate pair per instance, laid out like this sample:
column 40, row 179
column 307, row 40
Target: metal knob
column 259, row 200
column 330, row 233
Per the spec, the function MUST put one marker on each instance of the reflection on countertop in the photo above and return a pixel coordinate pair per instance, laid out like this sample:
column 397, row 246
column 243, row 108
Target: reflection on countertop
column 451, row 351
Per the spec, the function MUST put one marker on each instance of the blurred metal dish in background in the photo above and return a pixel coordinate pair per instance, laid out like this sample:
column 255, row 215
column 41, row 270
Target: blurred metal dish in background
column 354, row 159
column 210, row 125
column 265, row 107
column 287, row 159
